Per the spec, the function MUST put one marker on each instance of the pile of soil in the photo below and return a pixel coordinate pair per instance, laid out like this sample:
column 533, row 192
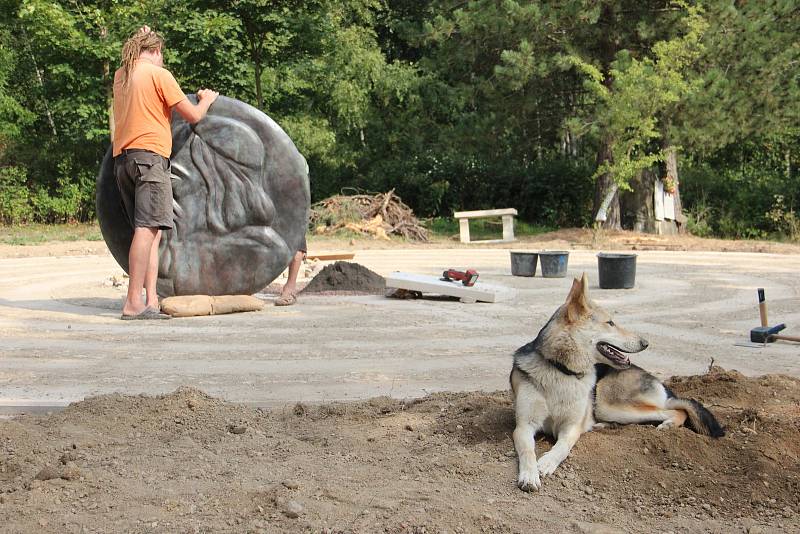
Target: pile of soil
column 187, row 462
column 347, row 277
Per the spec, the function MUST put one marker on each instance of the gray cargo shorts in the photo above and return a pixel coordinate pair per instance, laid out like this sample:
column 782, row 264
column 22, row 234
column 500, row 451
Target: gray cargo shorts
column 144, row 182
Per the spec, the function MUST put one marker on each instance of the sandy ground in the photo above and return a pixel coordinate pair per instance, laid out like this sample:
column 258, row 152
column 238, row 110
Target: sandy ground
column 239, row 433
column 568, row 238
column 62, row 339
column 187, row 462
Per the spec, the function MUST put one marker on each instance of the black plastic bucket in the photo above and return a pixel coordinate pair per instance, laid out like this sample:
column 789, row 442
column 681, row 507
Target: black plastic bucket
column 523, row 263
column 616, row 271
column 554, row 263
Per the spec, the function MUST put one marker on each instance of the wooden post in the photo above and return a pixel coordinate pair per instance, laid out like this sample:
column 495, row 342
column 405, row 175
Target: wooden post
column 463, row 228
column 508, row 228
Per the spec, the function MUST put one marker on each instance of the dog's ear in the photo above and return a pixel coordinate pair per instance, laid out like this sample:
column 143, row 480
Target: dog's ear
column 585, row 285
column 576, row 303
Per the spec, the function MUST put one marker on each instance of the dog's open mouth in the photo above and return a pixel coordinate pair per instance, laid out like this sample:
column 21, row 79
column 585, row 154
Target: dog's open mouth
column 615, row 354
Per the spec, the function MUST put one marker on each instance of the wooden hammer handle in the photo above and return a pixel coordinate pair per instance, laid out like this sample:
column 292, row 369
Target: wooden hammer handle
column 785, row 338
column 762, row 307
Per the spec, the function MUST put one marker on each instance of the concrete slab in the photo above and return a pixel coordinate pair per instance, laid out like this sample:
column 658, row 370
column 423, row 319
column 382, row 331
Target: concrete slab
column 480, row 292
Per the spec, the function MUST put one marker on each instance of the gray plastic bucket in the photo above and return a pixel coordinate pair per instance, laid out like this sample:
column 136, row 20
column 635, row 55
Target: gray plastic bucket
column 554, row 263
column 523, row 263
column 616, row 271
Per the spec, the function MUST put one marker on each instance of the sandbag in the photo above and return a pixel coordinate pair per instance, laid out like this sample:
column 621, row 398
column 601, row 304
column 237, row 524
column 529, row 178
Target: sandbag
column 235, row 304
column 196, row 305
column 187, row 305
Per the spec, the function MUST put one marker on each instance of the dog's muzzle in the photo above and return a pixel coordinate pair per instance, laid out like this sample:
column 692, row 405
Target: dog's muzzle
column 613, row 353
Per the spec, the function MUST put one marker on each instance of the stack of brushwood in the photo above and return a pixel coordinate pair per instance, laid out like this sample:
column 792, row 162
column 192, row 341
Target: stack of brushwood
column 378, row 215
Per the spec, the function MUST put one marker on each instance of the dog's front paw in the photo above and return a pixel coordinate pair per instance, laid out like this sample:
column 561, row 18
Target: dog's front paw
column 547, row 464
column 529, row 480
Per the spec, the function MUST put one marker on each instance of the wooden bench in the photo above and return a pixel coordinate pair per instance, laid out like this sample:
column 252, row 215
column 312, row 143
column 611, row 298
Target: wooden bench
column 508, row 224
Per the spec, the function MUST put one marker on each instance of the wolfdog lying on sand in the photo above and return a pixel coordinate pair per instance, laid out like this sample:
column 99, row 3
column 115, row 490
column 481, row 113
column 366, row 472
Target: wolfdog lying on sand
column 577, row 370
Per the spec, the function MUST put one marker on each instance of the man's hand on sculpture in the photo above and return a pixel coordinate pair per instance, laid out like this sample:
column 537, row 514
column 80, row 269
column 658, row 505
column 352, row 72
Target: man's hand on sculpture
column 240, row 197
column 207, row 94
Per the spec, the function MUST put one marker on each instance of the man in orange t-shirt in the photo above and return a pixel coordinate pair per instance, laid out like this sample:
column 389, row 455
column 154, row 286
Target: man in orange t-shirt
column 144, row 96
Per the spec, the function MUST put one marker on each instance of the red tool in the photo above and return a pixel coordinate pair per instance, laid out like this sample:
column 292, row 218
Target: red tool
column 468, row 277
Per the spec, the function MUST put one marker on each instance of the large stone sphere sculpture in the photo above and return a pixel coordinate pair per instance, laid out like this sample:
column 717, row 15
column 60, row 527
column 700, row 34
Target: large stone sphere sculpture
column 240, row 199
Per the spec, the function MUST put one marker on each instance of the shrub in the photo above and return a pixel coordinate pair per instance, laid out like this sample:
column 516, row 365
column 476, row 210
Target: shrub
column 15, row 205
column 71, row 199
column 784, row 219
column 738, row 200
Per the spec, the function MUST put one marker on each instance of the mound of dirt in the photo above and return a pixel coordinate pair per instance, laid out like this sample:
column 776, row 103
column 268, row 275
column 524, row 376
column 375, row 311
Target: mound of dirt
column 187, row 462
column 344, row 276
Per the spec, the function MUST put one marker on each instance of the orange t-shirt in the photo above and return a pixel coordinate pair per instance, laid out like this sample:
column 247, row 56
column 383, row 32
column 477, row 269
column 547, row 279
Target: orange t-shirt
column 143, row 109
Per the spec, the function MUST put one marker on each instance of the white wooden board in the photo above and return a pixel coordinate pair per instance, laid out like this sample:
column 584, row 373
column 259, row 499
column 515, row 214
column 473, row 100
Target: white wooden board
column 658, row 200
column 480, row 292
column 669, row 206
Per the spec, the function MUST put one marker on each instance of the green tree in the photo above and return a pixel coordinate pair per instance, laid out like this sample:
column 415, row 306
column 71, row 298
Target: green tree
column 485, row 108
column 635, row 102
column 750, row 71
column 13, row 115
column 454, row 104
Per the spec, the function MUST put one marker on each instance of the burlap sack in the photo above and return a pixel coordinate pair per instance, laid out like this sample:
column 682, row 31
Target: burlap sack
column 194, row 305
column 187, row 305
column 235, row 304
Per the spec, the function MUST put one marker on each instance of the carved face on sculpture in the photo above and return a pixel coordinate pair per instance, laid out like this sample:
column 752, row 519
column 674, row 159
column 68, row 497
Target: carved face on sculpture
column 241, row 200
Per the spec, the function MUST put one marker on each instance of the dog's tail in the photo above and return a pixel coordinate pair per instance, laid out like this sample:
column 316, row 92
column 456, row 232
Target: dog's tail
column 700, row 419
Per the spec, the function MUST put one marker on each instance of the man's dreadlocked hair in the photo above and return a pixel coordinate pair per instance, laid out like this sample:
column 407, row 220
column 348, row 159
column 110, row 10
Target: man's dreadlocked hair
column 140, row 42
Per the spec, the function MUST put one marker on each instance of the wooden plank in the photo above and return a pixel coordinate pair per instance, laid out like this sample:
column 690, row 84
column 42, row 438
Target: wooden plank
column 669, row 206
column 330, row 257
column 463, row 230
column 480, row 292
column 508, row 228
column 484, row 213
column 658, row 200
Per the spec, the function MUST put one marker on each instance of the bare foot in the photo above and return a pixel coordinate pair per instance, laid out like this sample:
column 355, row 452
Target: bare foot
column 128, row 309
column 286, row 299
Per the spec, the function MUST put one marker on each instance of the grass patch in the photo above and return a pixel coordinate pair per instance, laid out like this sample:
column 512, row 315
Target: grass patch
column 442, row 227
column 36, row 234
column 479, row 229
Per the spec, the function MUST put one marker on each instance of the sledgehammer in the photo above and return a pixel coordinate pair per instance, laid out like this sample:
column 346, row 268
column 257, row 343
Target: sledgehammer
column 766, row 333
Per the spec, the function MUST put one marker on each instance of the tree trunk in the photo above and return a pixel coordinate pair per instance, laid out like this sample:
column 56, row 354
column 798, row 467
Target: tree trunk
column 606, row 187
column 538, row 137
column 255, row 55
column 788, row 156
column 259, row 96
column 109, row 101
column 671, row 160
column 40, row 78
column 108, row 81
column 638, row 210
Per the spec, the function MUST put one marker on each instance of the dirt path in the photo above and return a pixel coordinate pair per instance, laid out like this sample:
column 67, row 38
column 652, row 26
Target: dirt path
column 62, row 340
column 568, row 238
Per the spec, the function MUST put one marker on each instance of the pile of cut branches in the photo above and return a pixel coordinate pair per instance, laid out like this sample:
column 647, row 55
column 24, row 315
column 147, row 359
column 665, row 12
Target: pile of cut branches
column 377, row 215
